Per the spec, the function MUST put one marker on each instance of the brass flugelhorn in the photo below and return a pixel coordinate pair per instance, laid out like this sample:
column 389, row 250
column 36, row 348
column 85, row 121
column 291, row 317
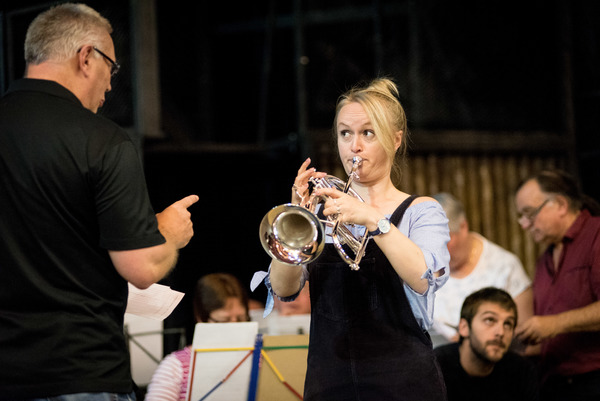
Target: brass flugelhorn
column 294, row 234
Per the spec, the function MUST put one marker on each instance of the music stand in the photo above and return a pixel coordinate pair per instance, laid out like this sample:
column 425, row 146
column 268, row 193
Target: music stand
column 222, row 361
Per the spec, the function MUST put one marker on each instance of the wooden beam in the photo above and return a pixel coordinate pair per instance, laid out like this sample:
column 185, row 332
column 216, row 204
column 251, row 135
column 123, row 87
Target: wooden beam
column 488, row 141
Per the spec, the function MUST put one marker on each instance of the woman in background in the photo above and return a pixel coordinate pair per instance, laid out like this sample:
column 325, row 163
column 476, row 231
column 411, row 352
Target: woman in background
column 218, row 298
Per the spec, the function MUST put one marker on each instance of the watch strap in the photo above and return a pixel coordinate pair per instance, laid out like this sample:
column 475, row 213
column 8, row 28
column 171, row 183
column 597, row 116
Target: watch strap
column 383, row 226
column 374, row 233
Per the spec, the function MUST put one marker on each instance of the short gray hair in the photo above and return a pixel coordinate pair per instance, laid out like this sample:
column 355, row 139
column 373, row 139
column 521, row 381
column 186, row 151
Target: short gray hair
column 454, row 210
column 59, row 32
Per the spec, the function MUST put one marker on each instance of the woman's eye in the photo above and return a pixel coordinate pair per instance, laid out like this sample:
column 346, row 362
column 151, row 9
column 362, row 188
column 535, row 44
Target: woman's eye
column 369, row 133
column 345, row 133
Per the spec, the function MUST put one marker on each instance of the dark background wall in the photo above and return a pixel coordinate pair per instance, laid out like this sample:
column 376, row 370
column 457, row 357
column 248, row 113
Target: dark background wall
column 247, row 90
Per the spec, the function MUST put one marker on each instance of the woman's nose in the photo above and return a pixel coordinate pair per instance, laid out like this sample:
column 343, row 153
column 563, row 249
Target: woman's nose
column 356, row 144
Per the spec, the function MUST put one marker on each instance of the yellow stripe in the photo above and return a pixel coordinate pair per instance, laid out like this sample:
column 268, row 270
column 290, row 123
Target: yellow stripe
column 264, row 354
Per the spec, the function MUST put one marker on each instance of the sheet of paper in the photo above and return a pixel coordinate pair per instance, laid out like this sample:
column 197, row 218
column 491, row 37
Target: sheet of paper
column 216, row 354
column 155, row 302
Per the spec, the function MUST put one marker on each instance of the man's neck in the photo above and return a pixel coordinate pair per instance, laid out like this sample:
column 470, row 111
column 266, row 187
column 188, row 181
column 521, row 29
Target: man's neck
column 557, row 243
column 568, row 222
column 50, row 71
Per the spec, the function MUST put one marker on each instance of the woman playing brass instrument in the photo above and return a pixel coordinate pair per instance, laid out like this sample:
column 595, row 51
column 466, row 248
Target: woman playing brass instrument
column 368, row 336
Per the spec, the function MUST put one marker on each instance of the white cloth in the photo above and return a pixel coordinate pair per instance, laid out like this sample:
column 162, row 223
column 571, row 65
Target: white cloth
column 496, row 267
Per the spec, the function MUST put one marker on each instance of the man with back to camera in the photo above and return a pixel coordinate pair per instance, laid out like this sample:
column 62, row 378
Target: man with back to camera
column 480, row 366
column 565, row 329
column 75, row 219
column 475, row 262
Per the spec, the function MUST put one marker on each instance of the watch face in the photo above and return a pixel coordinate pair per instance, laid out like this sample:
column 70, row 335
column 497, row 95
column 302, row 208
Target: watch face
column 384, row 225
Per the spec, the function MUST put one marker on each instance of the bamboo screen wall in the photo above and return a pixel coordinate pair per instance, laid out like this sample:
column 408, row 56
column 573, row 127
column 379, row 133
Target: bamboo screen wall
column 484, row 181
column 485, row 184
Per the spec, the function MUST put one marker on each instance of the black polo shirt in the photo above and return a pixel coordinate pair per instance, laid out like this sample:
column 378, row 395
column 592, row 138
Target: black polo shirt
column 71, row 188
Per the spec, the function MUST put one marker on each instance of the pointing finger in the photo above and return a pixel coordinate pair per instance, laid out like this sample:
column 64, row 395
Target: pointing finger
column 188, row 201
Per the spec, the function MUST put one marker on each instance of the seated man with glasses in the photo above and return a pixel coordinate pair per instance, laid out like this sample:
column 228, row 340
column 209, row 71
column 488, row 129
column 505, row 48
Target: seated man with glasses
column 566, row 325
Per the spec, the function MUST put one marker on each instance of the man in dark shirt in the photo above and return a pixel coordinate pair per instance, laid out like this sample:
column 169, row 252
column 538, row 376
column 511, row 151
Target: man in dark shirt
column 480, row 366
column 75, row 219
column 565, row 328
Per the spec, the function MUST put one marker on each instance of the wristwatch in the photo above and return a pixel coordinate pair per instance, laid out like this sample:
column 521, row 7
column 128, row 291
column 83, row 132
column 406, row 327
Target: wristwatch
column 383, row 226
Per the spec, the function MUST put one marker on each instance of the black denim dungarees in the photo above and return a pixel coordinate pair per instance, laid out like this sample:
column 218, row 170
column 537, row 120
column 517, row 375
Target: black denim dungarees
column 365, row 343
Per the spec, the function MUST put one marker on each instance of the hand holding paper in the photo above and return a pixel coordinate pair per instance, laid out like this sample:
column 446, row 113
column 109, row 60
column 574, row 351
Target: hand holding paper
column 155, row 302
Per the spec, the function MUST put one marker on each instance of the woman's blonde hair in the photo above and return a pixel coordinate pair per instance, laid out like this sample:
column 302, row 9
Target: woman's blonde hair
column 58, row 33
column 380, row 100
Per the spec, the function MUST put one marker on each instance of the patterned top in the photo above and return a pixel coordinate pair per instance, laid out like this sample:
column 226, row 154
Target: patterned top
column 170, row 380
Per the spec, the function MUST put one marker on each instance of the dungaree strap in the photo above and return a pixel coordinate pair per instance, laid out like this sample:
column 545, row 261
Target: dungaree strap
column 399, row 212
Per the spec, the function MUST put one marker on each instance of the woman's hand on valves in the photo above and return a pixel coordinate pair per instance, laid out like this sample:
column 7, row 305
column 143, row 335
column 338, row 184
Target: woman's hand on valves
column 300, row 193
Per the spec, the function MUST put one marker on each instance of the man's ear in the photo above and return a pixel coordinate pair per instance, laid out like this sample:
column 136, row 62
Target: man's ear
column 83, row 59
column 463, row 328
column 562, row 203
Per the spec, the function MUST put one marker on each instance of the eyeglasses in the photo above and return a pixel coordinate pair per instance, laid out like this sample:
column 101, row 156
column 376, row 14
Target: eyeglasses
column 530, row 216
column 114, row 66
